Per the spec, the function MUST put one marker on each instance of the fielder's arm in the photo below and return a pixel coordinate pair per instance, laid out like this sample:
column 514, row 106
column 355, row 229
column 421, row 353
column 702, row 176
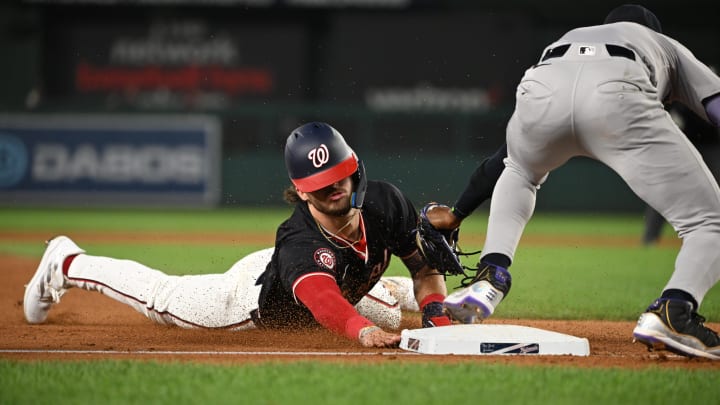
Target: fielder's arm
column 479, row 188
column 430, row 290
column 712, row 108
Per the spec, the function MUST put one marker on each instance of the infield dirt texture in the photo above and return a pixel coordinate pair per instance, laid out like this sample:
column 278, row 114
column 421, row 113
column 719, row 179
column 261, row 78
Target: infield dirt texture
column 87, row 325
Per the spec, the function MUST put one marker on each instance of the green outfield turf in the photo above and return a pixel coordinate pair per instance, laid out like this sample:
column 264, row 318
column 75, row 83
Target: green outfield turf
column 567, row 266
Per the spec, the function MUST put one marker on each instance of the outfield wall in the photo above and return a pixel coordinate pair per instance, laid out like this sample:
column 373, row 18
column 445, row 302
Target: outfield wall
column 581, row 185
column 422, row 96
column 177, row 160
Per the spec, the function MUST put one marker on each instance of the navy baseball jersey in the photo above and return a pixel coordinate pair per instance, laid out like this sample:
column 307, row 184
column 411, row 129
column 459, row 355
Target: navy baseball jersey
column 302, row 247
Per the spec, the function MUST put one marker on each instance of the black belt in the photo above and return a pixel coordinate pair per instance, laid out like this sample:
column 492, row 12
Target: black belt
column 613, row 50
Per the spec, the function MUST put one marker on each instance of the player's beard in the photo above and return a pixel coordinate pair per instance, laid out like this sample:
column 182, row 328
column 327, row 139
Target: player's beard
column 338, row 208
column 322, row 203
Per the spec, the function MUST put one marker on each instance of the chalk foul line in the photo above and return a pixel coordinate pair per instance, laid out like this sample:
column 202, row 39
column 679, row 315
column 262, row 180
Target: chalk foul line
column 201, row 353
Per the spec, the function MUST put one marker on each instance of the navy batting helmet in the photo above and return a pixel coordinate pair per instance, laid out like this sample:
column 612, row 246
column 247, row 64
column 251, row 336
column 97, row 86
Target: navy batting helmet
column 316, row 156
column 634, row 13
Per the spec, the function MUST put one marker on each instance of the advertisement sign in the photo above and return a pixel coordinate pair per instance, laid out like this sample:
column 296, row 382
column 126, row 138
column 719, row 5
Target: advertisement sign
column 109, row 160
column 422, row 62
column 183, row 62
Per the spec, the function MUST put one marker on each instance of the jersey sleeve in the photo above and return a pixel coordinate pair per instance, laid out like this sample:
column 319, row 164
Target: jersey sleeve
column 692, row 81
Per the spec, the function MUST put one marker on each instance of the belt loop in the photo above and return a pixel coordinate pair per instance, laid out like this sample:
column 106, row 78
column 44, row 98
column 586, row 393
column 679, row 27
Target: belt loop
column 556, row 52
column 621, row 51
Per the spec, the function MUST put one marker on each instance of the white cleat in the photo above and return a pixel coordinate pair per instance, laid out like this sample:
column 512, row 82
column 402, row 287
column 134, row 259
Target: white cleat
column 48, row 284
column 478, row 301
column 473, row 304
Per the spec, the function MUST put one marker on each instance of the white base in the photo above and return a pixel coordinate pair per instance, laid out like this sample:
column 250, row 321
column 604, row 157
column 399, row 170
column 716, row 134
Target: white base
column 479, row 339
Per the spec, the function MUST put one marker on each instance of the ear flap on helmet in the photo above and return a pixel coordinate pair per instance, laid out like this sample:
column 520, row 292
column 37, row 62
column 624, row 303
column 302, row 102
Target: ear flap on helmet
column 360, row 180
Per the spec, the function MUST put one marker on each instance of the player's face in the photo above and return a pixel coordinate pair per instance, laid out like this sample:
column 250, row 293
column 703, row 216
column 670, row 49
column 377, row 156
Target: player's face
column 334, row 199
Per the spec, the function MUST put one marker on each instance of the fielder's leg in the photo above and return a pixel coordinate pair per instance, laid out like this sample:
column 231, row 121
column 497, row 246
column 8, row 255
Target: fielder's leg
column 665, row 170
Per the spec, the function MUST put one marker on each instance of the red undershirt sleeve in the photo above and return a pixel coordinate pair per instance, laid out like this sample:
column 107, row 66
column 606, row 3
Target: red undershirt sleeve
column 321, row 295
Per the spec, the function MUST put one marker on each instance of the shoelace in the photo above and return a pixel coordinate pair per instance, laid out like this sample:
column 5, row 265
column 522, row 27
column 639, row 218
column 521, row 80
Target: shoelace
column 55, row 293
column 466, row 281
column 699, row 321
column 474, row 272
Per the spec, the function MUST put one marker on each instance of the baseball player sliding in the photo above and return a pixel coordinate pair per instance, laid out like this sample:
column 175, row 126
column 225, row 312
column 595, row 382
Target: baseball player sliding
column 599, row 92
column 327, row 257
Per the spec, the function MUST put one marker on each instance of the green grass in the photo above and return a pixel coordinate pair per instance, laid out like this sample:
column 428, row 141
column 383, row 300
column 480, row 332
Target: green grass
column 553, row 281
column 590, row 283
column 121, row 382
column 267, row 220
column 166, row 220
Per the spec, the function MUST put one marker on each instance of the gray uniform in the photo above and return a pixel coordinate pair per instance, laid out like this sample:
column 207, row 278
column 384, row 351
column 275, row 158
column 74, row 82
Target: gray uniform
column 599, row 92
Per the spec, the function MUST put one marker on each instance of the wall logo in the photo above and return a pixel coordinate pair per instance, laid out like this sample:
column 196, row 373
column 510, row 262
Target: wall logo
column 13, row 160
column 319, row 156
column 109, row 159
column 117, row 163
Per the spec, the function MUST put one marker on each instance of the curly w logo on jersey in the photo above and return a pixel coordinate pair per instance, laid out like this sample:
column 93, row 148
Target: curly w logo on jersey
column 325, row 257
column 319, row 156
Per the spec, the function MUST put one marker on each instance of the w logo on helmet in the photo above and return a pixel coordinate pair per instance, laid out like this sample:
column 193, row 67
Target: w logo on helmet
column 319, row 156
column 316, row 156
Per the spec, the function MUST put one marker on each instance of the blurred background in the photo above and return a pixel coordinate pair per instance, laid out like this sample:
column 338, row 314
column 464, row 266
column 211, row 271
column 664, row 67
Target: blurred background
column 188, row 102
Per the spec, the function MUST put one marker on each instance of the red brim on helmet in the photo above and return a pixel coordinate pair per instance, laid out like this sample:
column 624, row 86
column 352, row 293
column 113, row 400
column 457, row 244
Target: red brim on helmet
column 322, row 179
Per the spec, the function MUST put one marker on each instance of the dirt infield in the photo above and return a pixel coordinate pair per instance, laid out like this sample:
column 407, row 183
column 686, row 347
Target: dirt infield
column 89, row 326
